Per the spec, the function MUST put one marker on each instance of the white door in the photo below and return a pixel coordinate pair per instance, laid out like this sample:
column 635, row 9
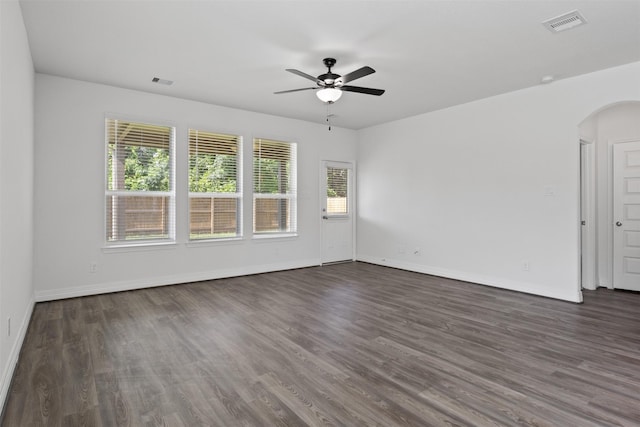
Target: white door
column 336, row 189
column 626, row 215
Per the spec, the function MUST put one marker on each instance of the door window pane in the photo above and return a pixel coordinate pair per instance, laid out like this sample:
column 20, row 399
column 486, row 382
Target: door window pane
column 337, row 191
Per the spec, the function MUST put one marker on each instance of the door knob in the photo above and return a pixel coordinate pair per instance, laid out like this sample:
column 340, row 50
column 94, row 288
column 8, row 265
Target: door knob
column 325, row 217
column 619, row 224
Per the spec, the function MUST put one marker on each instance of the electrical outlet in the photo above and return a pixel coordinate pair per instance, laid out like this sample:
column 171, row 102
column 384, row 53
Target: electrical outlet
column 93, row 267
column 525, row 265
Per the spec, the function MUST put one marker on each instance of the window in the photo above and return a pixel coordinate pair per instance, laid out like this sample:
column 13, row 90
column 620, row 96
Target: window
column 140, row 198
column 215, row 185
column 274, row 187
column 337, row 191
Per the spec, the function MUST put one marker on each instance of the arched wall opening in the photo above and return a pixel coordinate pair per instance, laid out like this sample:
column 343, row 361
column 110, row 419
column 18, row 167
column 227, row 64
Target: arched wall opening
column 612, row 124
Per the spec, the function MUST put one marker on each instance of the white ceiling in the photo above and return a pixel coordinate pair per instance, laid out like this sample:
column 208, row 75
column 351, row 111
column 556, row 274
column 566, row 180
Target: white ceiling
column 428, row 54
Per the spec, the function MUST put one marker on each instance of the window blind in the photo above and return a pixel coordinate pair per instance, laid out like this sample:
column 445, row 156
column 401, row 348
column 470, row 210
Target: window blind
column 337, row 191
column 274, row 186
column 140, row 201
column 215, row 185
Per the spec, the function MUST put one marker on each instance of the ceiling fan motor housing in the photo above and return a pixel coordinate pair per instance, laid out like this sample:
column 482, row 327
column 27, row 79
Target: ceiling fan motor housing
column 328, row 78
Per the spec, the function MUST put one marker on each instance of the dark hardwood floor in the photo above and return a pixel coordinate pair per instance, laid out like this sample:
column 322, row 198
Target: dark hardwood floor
column 349, row 344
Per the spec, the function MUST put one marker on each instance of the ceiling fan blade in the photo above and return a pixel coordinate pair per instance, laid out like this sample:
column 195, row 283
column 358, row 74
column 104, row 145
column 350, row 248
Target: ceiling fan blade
column 360, row 72
column 305, row 75
column 295, row 90
column 367, row 90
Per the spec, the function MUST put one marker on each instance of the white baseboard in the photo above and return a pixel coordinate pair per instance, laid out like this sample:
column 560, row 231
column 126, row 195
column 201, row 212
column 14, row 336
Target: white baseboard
column 496, row 282
column 14, row 354
column 150, row 282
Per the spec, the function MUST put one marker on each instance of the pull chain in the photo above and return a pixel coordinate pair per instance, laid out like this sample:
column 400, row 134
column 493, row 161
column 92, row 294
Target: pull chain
column 328, row 115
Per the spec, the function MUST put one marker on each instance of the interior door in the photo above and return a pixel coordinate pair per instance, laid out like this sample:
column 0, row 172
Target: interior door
column 336, row 189
column 626, row 215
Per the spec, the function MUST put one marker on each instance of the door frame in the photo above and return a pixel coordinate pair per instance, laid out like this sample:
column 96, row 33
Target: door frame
column 587, row 214
column 351, row 200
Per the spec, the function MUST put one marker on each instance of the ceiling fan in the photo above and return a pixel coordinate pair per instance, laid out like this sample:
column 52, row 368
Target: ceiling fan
column 330, row 85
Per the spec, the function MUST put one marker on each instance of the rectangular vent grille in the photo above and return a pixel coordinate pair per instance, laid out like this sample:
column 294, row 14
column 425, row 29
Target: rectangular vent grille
column 162, row 81
column 565, row 22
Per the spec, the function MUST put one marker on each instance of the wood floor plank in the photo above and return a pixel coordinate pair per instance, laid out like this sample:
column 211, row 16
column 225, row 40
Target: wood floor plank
column 343, row 345
column 78, row 383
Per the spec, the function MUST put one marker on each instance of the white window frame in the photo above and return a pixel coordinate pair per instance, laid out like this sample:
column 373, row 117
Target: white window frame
column 171, row 194
column 238, row 195
column 291, row 195
column 348, row 201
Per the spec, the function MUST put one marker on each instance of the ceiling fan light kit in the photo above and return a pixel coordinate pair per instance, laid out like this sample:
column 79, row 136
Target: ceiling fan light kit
column 329, row 95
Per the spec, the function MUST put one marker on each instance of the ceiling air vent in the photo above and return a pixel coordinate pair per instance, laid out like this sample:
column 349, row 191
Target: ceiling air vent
column 162, row 81
column 565, row 22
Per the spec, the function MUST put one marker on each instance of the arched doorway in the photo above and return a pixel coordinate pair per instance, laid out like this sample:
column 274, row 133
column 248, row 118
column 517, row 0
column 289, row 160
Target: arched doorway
column 610, row 252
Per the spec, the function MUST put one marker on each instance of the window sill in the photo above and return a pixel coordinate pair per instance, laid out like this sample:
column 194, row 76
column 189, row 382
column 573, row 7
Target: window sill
column 136, row 247
column 276, row 236
column 214, row 242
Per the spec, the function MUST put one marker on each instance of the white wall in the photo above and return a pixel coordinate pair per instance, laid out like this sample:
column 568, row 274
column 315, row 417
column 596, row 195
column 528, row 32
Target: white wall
column 480, row 189
column 69, row 191
column 16, row 187
column 620, row 122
